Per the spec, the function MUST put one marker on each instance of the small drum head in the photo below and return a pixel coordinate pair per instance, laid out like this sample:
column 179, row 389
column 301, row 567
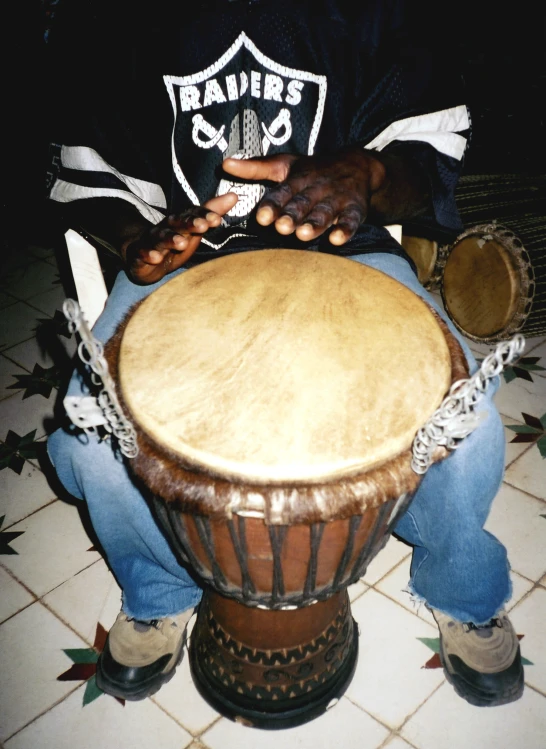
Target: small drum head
column 481, row 286
column 283, row 366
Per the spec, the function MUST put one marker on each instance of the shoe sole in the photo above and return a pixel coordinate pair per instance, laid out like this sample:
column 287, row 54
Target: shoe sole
column 477, row 697
column 116, row 689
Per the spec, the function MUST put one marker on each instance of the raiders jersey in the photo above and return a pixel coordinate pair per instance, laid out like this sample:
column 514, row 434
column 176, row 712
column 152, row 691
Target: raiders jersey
column 151, row 100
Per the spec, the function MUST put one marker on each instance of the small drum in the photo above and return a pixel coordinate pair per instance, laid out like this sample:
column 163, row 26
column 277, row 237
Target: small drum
column 494, row 282
column 429, row 257
column 276, row 395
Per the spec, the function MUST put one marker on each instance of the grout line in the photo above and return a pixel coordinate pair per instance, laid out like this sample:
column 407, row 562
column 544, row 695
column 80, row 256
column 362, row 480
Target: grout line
column 25, row 587
column 13, row 345
column 535, row 689
column 396, row 735
column 371, row 585
column 34, row 512
column 408, row 610
column 199, row 736
column 523, row 491
column 51, row 707
column 524, row 597
column 523, row 452
column 176, row 720
column 64, row 622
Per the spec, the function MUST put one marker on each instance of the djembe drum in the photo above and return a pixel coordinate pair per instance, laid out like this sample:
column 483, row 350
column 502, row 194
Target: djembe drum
column 276, row 395
column 494, row 274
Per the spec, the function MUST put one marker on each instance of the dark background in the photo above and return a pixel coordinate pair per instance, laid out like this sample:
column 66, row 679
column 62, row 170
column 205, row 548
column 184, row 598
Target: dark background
column 500, row 52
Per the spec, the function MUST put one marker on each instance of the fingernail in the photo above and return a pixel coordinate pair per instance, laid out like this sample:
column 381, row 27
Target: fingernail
column 337, row 237
column 284, row 225
column 305, row 229
column 265, row 216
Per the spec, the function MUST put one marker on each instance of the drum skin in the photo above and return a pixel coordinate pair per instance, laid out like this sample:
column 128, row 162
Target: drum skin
column 279, row 502
column 494, row 282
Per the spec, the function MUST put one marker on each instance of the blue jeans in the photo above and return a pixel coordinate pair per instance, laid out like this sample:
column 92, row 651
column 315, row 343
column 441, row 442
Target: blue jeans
column 457, row 566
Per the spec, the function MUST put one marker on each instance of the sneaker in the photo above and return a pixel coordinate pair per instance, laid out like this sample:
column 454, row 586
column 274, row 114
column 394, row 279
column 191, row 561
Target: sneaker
column 482, row 663
column 139, row 657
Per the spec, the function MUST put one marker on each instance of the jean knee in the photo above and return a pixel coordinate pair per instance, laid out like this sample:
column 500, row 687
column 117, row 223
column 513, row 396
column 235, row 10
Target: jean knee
column 77, row 458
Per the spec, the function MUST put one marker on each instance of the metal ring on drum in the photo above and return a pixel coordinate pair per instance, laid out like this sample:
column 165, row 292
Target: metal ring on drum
column 276, row 395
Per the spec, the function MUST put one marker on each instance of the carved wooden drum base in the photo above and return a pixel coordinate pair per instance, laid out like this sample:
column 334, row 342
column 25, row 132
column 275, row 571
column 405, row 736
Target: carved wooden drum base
column 273, row 669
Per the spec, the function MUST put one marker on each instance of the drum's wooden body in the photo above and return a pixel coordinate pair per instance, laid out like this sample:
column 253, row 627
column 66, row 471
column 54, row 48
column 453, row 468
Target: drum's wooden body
column 276, row 395
column 494, row 281
column 429, row 257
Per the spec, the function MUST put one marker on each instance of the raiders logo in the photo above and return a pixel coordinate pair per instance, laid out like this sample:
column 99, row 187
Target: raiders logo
column 243, row 105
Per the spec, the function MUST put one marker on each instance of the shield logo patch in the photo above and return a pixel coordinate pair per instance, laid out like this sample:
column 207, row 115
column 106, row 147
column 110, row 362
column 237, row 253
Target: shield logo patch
column 243, row 105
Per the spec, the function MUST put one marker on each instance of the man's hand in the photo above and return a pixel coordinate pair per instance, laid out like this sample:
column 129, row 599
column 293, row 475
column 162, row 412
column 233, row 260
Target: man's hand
column 314, row 193
column 165, row 247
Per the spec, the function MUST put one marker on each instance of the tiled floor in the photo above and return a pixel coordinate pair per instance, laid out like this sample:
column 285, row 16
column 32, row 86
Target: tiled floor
column 58, row 596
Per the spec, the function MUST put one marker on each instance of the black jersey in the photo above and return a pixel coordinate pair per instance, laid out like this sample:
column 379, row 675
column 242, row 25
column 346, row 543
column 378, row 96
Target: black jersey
column 152, row 102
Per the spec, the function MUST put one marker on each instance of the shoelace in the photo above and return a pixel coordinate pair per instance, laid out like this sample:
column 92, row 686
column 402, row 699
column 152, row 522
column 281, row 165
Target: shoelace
column 496, row 622
column 150, row 623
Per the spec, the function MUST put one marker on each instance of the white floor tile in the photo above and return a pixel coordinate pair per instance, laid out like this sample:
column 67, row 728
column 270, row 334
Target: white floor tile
column 22, row 494
column 90, row 597
column 389, row 557
column 29, row 353
column 183, row 702
column 102, row 724
column 17, row 324
column 356, row 590
column 529, row 472
column 32, row 645
column 528, row 618
column 6, row 300
column 532, row 343
column 8, row 370
column 52, row 549
column 344, row 726
column 31, row 279
column 397, row 743
column 516, row 521
column 390, row 682
column 521, row 396
column 520, row 587
column 394, row 585
column 14, row 597
column 448, row 722
column 22, row 415
column 480, row 350
column 49, row 301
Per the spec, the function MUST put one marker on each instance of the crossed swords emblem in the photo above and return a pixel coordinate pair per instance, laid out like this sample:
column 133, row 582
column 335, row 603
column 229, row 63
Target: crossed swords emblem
column 247, row 139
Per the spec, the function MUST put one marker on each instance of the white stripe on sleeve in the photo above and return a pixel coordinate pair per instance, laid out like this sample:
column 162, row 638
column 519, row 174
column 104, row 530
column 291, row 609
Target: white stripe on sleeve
column 440, row 129
column 87, row 159
column 64, row 192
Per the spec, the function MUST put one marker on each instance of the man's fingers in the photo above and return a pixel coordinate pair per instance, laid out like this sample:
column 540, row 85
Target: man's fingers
column 261, row 169
column 347, row 224
column 288, row 204
column 222, row 203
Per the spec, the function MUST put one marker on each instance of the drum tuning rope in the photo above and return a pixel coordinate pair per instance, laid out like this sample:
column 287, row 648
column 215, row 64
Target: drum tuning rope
column 455, row 419
column 90, row 351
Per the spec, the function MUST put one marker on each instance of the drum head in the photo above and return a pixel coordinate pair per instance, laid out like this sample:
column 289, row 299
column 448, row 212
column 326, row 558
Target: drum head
column 481, row 286
column 281, row 365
